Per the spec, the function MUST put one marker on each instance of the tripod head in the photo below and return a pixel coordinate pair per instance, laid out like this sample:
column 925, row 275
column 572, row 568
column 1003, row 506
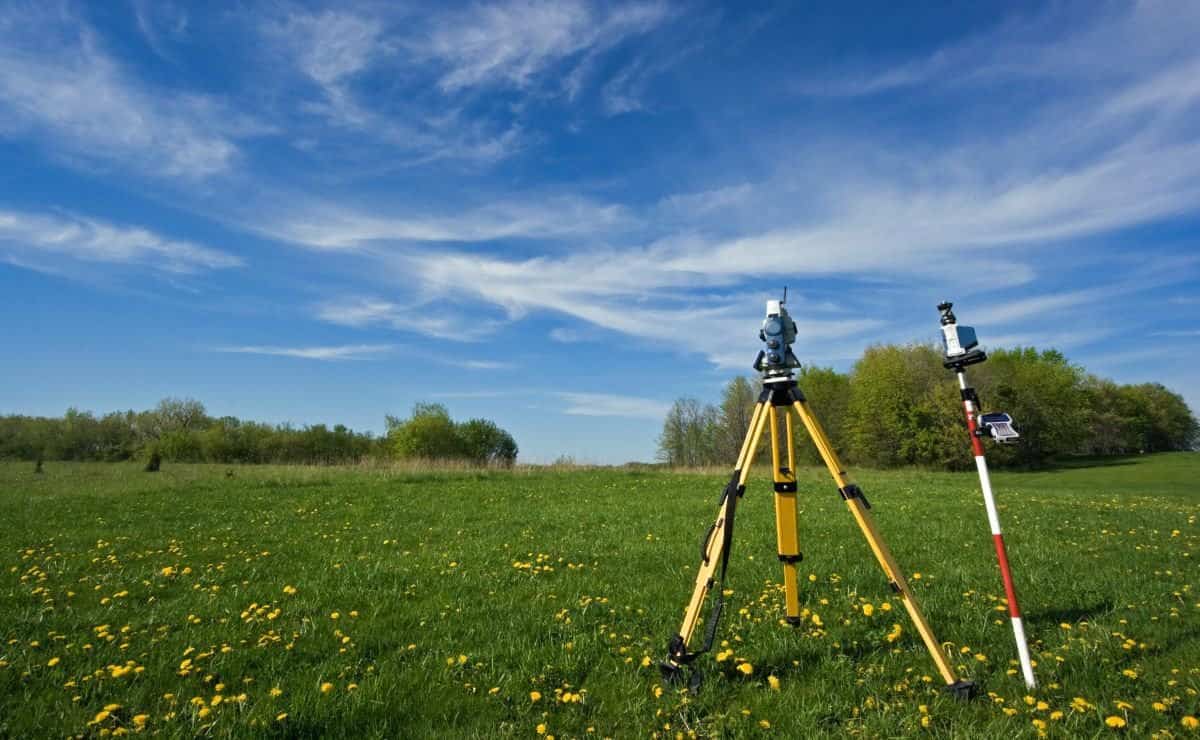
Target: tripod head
column 778, row 332
column 959, row 342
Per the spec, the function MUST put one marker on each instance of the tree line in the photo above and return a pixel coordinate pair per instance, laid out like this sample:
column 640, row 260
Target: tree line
column 898, row 406
column 181, row 430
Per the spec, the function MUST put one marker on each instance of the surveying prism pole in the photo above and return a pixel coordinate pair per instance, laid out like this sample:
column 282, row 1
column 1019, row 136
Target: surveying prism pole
column 961, row 342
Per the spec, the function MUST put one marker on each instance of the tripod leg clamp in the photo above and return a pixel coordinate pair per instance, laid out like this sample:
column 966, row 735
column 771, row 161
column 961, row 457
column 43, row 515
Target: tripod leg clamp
column 853, row 491
column 791, row 558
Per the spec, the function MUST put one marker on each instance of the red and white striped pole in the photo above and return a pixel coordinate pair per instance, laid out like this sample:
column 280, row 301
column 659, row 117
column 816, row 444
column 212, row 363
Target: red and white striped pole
column 989, row 500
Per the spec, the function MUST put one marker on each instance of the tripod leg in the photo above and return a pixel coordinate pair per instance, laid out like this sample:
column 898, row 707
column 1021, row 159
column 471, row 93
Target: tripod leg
column 714, row 551
column 786, row 527
column 858, row 506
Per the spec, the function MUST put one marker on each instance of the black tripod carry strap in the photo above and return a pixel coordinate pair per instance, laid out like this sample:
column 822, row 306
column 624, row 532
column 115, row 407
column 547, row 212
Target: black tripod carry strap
column 729, row 498
column 733, row 492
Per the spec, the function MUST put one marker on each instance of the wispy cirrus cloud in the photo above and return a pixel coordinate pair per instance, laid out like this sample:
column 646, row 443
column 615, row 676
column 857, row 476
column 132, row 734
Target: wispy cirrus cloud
column 59, row 85
column 32, row 238
column 514, row 43
column 334, row 353
column 360, row 312
column 608, row 404
column 331, row 226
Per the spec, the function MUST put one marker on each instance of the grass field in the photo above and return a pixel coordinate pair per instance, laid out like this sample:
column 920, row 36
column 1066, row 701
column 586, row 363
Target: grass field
column 342, row 602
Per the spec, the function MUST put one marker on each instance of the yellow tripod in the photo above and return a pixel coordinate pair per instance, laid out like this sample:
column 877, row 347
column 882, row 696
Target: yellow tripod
column 775, row 401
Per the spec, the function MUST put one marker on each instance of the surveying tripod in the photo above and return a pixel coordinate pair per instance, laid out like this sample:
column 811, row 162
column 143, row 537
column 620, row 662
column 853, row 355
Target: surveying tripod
column 780, row 393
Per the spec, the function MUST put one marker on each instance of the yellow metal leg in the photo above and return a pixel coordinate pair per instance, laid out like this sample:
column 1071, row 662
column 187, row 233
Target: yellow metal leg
column 786, row 526
column 862, row 515
column 714, row 547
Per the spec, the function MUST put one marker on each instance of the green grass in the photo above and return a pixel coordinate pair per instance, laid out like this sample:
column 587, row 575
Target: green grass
column 445, row 630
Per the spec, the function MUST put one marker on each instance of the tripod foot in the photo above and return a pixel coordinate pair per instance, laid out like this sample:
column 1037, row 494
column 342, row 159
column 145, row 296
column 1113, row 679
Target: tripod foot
column 672, row 674
column 794, row 621
column 962, row 690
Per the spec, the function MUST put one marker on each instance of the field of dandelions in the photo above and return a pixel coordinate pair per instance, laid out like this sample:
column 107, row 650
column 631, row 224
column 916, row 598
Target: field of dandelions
column 282, row 602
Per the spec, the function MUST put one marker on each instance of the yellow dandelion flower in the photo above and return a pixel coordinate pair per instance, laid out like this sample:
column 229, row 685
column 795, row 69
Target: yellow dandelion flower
column 658, row 691
column 100, row 717
column 926, row 720
column 281, row 716
column 204, row 712
column 1114, row 721
column 1040, row 724
column 541, row 728
column 354, row 687
column 53, row 662
column 111, row 707
column 868, row 609
column 1189, row 722
column 764, row 724
column 326, row 687
column 773, row 682
column 1056, row 715
column 646, row 661
column 289, row 590
column 535, row 696
column 140, row 719
column 746, row 669
column 275, row 692
column 335, row 615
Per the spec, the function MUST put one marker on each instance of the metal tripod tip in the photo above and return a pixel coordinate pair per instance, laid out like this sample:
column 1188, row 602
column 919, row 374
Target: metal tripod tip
column 962, row 690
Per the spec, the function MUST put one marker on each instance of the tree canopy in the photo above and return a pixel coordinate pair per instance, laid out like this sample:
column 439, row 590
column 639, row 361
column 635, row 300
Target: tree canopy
column 899, row 406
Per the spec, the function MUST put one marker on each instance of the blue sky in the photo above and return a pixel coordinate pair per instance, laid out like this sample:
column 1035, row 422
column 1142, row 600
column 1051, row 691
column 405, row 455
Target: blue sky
column 561, row 216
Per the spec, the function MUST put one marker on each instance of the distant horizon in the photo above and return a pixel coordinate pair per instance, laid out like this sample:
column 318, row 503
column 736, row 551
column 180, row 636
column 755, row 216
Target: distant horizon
column 562, row 217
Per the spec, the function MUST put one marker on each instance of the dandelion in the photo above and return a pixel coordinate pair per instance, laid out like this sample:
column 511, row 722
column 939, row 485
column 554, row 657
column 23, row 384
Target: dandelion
column 1114, row 721
column 276, row 691
column 746, row 669
column 868, row 609
column 1189, row 722
column 326, row 687
column 204, row 712
column 335, row 615
column 139, row 720
column 926, row 720
column 111, row 707
column 100, row 717
column 773, row 682
column 53, row 662
column 541, row 728
column 281, row 716
column 764, row 724
column 289, row 590
column 535, row 696
column 646, row 661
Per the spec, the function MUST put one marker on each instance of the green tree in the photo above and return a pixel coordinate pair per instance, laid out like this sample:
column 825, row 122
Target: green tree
column 485, row 443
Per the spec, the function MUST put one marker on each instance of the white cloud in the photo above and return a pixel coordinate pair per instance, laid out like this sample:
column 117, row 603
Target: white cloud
column 33, row 237
column 512, row 43
column 334, row 353
column 326, row 226
column 440, row 322
column 606, row 404
column 57, row 84
column 566, row 336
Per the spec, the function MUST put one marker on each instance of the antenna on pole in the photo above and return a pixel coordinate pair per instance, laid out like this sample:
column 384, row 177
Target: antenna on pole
column 784, row 295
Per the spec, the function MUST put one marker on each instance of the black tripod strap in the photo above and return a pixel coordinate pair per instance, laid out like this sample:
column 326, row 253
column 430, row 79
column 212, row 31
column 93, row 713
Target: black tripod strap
column 733, row 492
